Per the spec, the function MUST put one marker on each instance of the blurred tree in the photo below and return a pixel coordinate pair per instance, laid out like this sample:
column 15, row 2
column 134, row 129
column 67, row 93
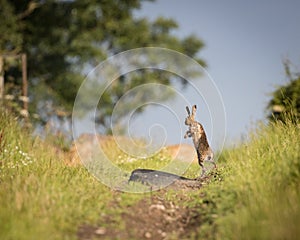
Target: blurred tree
column 65, row 38
column 285, row 102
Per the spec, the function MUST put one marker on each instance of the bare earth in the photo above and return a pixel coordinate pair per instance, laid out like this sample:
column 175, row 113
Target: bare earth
column 150, row 218
column 153, row 217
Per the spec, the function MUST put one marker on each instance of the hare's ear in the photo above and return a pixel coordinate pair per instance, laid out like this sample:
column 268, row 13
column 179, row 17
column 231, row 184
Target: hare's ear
column 188, row 110
column 194, row 108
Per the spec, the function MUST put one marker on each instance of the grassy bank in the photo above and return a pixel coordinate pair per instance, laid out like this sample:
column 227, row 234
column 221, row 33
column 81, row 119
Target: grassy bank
column 259, row 197
column 255, row 194
column 42, row 198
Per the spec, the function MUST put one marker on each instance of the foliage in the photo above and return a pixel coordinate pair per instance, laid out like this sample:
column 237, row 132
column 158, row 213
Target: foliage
column 64, row 39
column 11, row 38
column 286, row 99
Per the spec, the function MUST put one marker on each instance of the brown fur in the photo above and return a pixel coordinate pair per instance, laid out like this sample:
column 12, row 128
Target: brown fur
column 197, row 133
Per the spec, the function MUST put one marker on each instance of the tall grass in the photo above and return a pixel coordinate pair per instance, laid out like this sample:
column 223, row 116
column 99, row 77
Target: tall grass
column 255, row 193
column 42, row 198
column 260, row 195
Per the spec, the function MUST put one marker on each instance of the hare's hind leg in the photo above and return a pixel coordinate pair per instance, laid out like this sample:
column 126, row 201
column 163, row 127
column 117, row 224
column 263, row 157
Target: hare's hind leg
column 203, row 174
column 210, row 160
column 203, row 169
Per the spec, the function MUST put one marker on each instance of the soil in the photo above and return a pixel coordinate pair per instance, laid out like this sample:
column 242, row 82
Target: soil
column 153, row 217
column 150, row 218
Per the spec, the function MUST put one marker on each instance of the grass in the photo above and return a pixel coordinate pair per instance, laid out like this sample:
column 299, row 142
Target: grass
column 255, row 194
column 40, row 197
column 259, row 197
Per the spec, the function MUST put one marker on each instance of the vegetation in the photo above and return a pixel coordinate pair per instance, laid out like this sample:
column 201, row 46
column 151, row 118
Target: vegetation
column 286, row 99
column 254, row 194
column 64, row 40
column 41, row 198
column 259, row 196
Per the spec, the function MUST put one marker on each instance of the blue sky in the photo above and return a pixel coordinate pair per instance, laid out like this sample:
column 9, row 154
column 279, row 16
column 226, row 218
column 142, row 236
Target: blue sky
column 245, row 43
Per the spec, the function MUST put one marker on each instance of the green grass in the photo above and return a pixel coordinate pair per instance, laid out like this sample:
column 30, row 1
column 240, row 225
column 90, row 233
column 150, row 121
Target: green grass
column 42, row 198
column 259, row 197
column 255, row 194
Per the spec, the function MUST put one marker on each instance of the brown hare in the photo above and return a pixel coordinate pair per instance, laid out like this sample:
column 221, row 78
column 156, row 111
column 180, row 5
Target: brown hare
column 197, row 133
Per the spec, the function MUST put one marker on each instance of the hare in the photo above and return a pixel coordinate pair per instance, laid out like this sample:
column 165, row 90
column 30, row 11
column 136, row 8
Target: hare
column 197, row 133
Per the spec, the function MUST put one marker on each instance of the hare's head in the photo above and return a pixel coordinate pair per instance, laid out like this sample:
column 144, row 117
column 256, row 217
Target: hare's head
column 190, row 119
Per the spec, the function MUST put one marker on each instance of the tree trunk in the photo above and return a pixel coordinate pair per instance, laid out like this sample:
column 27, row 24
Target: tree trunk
column 1, row 77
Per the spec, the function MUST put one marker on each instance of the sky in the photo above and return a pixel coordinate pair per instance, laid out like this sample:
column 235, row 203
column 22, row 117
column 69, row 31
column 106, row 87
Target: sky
column 245, row 44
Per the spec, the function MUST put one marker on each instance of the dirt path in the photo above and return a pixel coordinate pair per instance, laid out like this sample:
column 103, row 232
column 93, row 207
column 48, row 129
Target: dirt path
column 154, row 217
column 150, row 218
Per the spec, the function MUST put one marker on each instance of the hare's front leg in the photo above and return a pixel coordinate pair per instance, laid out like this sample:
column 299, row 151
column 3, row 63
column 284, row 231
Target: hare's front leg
column 188, row 134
